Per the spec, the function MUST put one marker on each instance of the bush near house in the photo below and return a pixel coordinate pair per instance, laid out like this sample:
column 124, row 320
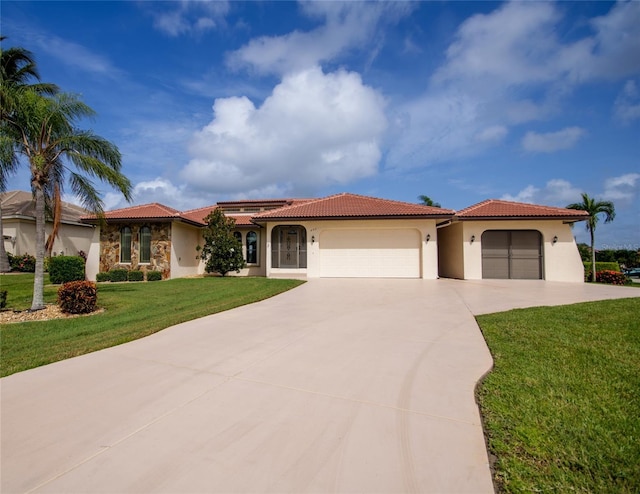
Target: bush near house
column 103, row 277
column 78, row 297
column 154, row 276
column 135, row 276
column 600, row 266
column 63, row 269
column 24, row 263
column 119, row 274
column 612, row 278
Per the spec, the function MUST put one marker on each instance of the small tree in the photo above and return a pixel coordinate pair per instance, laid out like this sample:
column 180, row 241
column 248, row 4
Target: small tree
column 427, row 201
column 222, row 252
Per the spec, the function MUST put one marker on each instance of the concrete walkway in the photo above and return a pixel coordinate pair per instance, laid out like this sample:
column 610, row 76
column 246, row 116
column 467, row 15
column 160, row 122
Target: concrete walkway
column 336, row 386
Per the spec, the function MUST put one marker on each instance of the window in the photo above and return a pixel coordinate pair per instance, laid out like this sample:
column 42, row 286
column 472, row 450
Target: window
column 238, row 237
column 145, row 244
column 125, row 244
column 252, row 247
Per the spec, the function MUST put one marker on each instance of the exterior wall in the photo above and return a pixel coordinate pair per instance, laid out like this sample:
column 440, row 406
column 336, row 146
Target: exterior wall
column 92, row 266
column 259, row 269
column 428, row 254
column 184, row 256
column 450, row 251
column 561, row 260
column 160, row 248
column 71, row 239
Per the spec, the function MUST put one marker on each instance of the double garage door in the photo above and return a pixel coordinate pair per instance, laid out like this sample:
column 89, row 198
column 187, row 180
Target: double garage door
column 375, row 253
column 512, row 254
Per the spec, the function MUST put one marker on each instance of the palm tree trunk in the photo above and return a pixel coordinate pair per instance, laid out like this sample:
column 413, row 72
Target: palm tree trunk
column 5, row 267
column 593, row 256
column 38, row 280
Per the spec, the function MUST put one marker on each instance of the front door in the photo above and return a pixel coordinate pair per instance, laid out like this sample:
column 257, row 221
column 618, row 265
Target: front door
column 289, row 243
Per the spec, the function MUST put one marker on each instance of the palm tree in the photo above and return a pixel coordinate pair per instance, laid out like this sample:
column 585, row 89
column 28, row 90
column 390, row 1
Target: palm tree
column 44, row 131
column 17, row 72
column 427, row 201
column 594, row 208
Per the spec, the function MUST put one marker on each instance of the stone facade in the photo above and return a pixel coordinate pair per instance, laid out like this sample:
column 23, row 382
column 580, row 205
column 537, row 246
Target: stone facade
column 160, row 248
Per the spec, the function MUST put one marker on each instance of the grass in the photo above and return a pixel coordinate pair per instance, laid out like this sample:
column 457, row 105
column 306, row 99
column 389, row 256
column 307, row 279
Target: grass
column 561, row 408
column 133, row 310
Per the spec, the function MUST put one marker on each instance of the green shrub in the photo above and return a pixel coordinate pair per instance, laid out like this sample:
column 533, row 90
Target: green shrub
column 78, row 297
column 24, row 263
column 63, row 269
column 135, row 276
column 103, row 277
column 118, row 274
column 154, row 275
column 600, row 266
column 611, row 277
column 3, row 299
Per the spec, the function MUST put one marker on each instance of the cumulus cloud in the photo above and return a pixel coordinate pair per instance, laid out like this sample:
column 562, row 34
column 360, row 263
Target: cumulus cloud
column 189, row 16
column 492, row 134
column 622, row 188
column 627, row 106
column 556, row 192
column 551, row 142
column 346, row 25
column 314, row 129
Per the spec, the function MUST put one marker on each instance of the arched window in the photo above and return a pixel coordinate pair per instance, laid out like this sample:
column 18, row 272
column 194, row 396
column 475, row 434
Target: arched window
column 238, row 237
column 145, row 244
column 125, row 244
column 252, row 247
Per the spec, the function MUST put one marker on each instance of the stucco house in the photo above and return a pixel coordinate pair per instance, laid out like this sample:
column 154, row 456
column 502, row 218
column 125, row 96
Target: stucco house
column 19, row 226
column 349, row 235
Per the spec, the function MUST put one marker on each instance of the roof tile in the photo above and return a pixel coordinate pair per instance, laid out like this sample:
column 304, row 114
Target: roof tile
column 496, row 208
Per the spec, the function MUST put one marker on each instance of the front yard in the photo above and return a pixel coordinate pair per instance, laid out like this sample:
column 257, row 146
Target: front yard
column 132, row 311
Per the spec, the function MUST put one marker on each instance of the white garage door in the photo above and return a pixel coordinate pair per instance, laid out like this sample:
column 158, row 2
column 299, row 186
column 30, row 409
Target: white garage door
column 370, row 253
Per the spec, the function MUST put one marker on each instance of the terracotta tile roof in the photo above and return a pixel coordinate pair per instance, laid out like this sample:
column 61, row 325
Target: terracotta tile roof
column 198, row 215
column 153, row 211
column 242, row 219
column 20, row 203
column 344, row 206
column 495, row 208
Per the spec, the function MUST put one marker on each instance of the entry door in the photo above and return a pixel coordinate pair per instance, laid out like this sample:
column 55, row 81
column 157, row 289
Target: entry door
column 289, row 243
column 512, row 254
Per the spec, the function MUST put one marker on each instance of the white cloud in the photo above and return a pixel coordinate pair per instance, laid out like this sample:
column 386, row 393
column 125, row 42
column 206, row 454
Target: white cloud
column 556, row 192
column 622, row 188
column 494, row 133
column 346, row 25
column 314, row 129
column 190, row 16
column 528, row 195
column 627, row 104
column 551, row 142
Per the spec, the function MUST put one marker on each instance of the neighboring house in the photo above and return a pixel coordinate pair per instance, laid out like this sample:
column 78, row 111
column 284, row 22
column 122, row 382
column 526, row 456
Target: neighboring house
column 19, row 226
column 349, row 235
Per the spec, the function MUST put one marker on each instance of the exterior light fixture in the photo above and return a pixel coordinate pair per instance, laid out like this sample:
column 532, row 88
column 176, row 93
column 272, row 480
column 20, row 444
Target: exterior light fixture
column 428, row 237
column 313, row 239
column 473, row 238
column 555, row 239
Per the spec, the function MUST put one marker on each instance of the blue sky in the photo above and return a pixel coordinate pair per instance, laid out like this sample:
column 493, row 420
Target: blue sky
column 461, row 101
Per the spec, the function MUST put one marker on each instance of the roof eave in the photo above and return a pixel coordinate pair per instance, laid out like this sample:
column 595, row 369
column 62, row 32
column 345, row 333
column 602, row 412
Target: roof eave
column 519, row 218
column 258, row 220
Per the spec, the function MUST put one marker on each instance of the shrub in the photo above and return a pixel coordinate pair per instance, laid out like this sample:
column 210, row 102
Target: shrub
column 135, row 276
column 154, row 275
column 24, row 263
column 103, row 277
column 63, row 269
column 77, row 297
column 600, row 266
column 3, row 299
column 118, row 274
column 611, row 277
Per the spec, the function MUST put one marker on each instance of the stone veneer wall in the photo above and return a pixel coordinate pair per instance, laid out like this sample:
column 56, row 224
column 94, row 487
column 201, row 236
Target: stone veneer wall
column 160, row 248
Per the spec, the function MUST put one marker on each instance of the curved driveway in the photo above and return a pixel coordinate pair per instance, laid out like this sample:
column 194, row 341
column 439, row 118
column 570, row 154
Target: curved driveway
column 335, row 386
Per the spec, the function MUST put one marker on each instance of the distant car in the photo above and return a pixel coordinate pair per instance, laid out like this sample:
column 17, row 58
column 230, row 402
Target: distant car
column 632, row 272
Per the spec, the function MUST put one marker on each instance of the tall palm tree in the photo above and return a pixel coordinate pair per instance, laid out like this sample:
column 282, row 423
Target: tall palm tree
column 18, row 72
column 427, row 201
column 594, row 208
column 44, row 131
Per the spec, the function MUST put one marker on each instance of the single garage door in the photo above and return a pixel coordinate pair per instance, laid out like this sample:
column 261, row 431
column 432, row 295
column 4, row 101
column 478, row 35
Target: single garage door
column 393, row 253
column 512, row 254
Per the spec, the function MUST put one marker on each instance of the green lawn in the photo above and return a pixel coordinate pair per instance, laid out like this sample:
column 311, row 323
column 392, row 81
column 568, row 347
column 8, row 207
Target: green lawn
column 561, row 408
column 133, row 310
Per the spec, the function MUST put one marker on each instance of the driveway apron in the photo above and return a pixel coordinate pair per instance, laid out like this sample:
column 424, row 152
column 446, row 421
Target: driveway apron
column 335, row 386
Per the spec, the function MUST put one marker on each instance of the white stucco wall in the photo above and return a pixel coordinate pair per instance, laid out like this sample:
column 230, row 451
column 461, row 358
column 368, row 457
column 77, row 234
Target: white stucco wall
column 561, row 260
column 450, row 251
column 184, row 256
column 315, row 229
column 92, row 266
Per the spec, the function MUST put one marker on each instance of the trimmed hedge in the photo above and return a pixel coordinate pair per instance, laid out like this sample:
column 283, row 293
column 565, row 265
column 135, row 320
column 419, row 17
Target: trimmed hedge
column 119, row 274
column 135, row 276
column 63, row 269
column 24, row 263
column 103, row 276
column 78, row 297
column 154, row 276
column 611, row 277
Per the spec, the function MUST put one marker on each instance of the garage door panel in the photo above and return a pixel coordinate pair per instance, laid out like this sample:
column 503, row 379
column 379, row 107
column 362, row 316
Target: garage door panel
column 512, row 254
column 370, row 253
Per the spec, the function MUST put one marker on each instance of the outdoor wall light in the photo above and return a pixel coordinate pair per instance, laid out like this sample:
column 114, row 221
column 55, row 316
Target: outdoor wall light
column 428, row 237
column 473, row 238
column 313, row 239
column 555, row 239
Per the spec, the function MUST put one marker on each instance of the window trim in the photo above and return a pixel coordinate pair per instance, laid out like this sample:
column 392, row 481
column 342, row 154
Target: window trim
column 140, row 247
column 122, row 244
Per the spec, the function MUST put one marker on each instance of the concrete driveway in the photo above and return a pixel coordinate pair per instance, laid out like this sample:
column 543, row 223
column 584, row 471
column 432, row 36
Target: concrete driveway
column 336, row 386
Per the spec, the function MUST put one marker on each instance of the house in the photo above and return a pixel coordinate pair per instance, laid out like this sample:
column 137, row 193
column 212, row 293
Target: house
column 349, row 235
column 19, row 226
